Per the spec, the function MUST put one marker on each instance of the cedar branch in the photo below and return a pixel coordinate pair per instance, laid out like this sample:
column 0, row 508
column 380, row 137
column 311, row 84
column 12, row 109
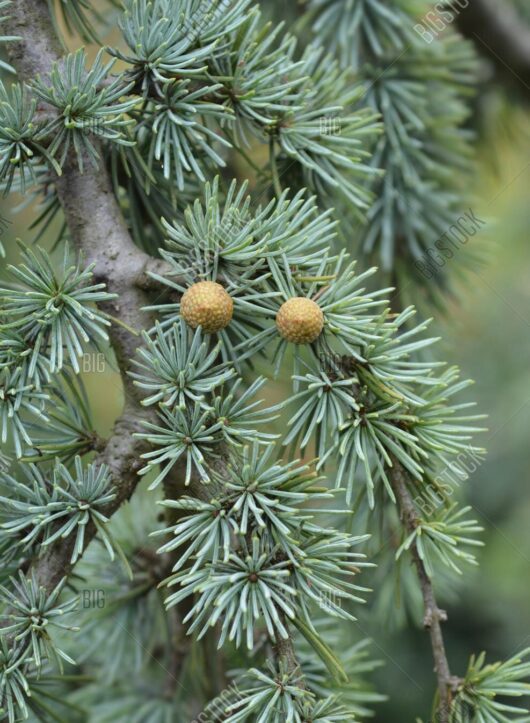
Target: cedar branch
column 98, row 230
column 433, row 615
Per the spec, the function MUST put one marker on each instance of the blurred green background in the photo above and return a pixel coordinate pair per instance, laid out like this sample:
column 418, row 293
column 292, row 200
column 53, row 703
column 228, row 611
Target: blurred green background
column 486, row 331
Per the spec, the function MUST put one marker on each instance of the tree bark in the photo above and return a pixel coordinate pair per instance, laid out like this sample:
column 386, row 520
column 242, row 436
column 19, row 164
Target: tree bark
column 433, row 615
column 98, row 230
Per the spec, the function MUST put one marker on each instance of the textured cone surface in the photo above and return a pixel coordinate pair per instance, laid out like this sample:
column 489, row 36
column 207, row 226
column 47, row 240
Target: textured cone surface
column 300, row 320
column 207, row 304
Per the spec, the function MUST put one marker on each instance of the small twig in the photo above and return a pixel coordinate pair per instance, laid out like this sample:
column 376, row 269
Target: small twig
column 286, row 655
column 433, row 615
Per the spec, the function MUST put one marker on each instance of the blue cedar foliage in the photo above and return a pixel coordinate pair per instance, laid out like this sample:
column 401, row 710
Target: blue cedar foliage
column 255, row 546
column 421, row 89
column 255, row 551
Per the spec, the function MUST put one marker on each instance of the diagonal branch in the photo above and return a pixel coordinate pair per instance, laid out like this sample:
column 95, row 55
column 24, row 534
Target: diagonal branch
column 286, row 656
column 433, row 615
column 501, row 34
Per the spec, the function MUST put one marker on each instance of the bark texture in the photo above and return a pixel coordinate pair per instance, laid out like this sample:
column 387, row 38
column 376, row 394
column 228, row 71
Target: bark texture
column 98, row 230
column 433, row 615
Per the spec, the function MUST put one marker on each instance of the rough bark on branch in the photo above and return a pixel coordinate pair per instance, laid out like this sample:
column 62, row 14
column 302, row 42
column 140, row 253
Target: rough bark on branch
column 433, row 615
column 98, row 230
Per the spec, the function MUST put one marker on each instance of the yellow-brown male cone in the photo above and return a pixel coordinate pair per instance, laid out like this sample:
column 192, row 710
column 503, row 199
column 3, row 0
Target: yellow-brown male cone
column 207, row 304
column 300, row 320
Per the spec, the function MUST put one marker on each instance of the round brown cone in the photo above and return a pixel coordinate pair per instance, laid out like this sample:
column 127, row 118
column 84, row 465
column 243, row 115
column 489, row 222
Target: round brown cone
column 300, row 320
column 207, row 304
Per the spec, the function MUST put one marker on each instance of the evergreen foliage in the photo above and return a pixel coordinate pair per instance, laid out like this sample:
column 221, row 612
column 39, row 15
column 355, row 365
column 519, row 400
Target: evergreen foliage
column 251, row 549
column 84, row 103
column 420, row 90
column 53, row 310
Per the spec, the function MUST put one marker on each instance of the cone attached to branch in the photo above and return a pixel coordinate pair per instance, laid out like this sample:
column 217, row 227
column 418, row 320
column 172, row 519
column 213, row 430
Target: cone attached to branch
column 208, row 305
column 300, row 320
